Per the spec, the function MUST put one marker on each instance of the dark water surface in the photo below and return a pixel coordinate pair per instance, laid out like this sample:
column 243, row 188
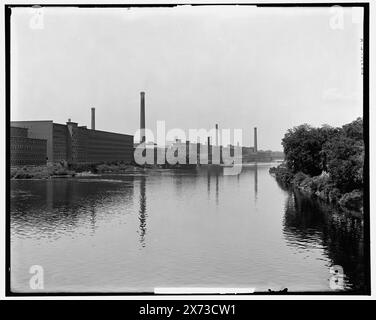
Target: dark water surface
column 179, row 228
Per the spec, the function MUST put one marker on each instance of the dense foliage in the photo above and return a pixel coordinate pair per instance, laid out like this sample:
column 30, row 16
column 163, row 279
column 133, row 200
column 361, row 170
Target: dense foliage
column 303, row 147
column 345, row 156
column 326, row 161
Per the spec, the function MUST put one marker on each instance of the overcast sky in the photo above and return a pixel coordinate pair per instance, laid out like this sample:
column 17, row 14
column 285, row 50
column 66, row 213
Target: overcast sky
column 239, row 67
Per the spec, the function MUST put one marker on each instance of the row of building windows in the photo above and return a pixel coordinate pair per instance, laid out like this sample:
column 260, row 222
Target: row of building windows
column 23, row 162
column 29, row 157
column 28, row 148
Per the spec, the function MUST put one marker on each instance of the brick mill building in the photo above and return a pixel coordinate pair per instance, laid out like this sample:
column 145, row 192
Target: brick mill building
column 41, row 142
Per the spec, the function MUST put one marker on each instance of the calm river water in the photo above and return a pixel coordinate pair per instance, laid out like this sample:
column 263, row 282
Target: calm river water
column 179, row 228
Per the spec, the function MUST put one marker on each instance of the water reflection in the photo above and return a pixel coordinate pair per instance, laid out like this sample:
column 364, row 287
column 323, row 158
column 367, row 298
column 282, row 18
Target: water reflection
column 310, row 224
column 216, row 188
column 93, row 219
column 252, row 169
column 142, row 210
column 256, row 180
column 48, row 209
column 208, row 183
column 189, row 226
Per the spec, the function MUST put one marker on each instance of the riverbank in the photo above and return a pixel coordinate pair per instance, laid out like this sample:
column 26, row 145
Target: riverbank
column 64, row 170
column 69, row 170
column 325, row 162
column 321, row 187
column 40, row 172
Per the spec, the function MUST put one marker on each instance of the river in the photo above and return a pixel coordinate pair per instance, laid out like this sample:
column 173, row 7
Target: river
column 174, row 228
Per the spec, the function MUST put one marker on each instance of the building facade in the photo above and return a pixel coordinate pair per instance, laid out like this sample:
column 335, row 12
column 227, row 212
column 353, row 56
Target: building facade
column 75, row 144
column 25, row 150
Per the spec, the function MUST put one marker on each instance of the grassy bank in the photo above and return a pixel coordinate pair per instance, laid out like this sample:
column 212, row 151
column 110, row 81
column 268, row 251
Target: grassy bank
column 40, row 172
column 68, row 170
column 102, row 167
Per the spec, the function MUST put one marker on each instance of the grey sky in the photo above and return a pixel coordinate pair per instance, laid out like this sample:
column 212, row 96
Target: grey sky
column 239, row 67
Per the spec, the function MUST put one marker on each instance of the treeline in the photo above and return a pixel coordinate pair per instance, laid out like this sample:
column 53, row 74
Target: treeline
column 325, row 161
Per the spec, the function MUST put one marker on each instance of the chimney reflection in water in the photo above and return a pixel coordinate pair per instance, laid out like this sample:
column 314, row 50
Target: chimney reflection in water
column 216, row 188
column 256, row 181
column 208, row 176
column 142, row 212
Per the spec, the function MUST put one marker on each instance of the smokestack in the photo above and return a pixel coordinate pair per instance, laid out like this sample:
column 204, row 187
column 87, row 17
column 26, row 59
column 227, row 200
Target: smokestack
column 209, row 151
column 142, row 118
column 216, row 135
column 93, row 118
column 255, row 139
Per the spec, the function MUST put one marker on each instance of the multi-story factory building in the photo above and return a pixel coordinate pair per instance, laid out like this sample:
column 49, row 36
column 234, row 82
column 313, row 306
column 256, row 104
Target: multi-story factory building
column 73, row 143
column 25, row 150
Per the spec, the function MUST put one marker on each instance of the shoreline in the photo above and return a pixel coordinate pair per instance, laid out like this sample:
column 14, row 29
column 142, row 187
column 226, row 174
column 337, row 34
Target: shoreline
column 320, row 188
column 64, row 170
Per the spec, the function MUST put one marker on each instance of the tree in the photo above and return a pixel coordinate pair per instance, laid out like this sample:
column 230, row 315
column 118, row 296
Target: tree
column 303, row 148
column 339, row 151
column 344, row 154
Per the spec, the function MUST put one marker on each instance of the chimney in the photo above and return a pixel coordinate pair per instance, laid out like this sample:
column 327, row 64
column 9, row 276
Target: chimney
column 216, row 135
column 255, row 139
column 142, row 118
column 209, row 151
column 92, row 118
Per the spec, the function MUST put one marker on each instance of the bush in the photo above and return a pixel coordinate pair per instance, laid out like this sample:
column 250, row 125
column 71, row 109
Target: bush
column 119, row 167
column 83, row 166
column 318, row 185
column 320, row 182
column 334, row 195
column 282, row 174
column 23, row 175
column 60, row 170
column 102, row 168
column 325, row 192
column 307, row 185
column 352, row 200
column 39, row 172
column 299, row 178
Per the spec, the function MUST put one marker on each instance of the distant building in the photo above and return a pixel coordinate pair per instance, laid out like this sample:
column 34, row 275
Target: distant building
column 250, row 154
column 278, row 155
column 73, row 143
column 25, row 150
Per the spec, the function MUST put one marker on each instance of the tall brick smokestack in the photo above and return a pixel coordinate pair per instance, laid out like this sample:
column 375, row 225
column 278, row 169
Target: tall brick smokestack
column 93, row 118
column 142, row 118
column 255, row 139
column 216, row 135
